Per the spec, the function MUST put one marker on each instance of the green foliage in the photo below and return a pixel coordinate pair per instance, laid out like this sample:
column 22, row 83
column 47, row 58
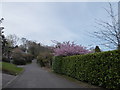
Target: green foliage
column 41, row 63
column 18, row 57
column 20, row 61
column 35, row 48
column 21, row 58
column 118, row 48
column 44, row 59
column 97, row 49
column 10, row 68
column 28, row 57
column 5, row 59
column 57, row 63
column 6, row 49
column 102, row 69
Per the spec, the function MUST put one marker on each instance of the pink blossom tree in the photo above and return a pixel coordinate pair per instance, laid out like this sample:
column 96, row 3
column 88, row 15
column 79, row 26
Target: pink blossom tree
column 68, row 49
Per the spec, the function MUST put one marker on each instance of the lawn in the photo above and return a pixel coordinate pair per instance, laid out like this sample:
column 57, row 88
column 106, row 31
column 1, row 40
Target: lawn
column 10, row 68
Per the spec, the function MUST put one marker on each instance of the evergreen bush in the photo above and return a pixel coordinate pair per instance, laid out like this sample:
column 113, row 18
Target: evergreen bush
column 102, row 69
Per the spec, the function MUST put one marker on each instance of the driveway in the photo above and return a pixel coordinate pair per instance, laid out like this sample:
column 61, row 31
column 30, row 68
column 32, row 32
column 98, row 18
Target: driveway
column 36, row 77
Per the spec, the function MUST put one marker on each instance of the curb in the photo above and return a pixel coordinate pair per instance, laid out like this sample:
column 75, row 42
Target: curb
column 13, row 79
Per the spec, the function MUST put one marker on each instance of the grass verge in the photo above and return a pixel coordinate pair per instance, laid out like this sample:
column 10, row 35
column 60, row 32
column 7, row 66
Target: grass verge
column 10, row 68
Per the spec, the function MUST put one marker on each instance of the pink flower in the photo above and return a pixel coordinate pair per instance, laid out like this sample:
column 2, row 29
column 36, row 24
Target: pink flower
column 68, row 49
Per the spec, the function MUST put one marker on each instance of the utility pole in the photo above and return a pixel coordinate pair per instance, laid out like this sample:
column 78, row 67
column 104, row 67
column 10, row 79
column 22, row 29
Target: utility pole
column 1, row 28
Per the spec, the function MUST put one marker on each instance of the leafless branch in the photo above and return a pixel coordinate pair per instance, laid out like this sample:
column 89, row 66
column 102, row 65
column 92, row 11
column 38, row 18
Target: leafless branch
column 109, row 31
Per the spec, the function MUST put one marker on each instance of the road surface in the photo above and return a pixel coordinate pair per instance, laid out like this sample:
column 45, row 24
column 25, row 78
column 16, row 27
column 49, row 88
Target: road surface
column 36, row 77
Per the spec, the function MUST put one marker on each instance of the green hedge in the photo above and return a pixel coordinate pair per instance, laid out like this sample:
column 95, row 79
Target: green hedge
column 102, row 69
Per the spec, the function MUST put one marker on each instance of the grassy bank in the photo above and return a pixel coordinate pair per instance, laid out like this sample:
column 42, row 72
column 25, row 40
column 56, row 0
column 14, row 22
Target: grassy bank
column 10, row 68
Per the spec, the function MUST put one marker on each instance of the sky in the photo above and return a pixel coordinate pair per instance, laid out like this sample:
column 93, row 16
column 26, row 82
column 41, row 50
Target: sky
column 61, row 21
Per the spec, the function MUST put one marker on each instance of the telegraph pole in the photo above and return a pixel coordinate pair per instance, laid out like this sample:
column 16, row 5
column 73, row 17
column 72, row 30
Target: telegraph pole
column 1, row 28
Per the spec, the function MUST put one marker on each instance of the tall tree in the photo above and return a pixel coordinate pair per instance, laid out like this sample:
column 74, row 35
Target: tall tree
column 109, row 31
column 1, row 28
column 13, row 40
column 32, row 48
column 6, row 48
column 97, row 49
column 24, row 44
column 35, row 48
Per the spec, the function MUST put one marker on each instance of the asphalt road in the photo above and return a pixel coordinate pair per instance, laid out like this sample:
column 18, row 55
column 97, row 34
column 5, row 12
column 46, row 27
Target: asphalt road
column 6, row 78
column 36, row 77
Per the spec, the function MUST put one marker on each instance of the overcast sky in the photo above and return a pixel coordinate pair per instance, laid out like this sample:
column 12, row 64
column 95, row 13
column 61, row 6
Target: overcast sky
column 44, row 22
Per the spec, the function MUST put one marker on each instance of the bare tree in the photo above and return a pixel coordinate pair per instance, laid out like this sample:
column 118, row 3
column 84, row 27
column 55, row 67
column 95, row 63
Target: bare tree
column 109, row 31
column 12, row 40
column 23, row 40
column 24, row 45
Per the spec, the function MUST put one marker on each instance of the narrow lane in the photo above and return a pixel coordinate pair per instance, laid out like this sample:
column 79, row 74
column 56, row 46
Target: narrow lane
column 35, row 77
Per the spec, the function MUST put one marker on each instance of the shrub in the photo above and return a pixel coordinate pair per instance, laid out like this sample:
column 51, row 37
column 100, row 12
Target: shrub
column 18, row 57
column 21, row 58
column 44, row 59
column 28, row 57
column 69, row 49
column 40, row 60
column 97, row 49
column 20, row 61
column 41, row 63
column 102, row 69
column 5, row 59
column 57, row 63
